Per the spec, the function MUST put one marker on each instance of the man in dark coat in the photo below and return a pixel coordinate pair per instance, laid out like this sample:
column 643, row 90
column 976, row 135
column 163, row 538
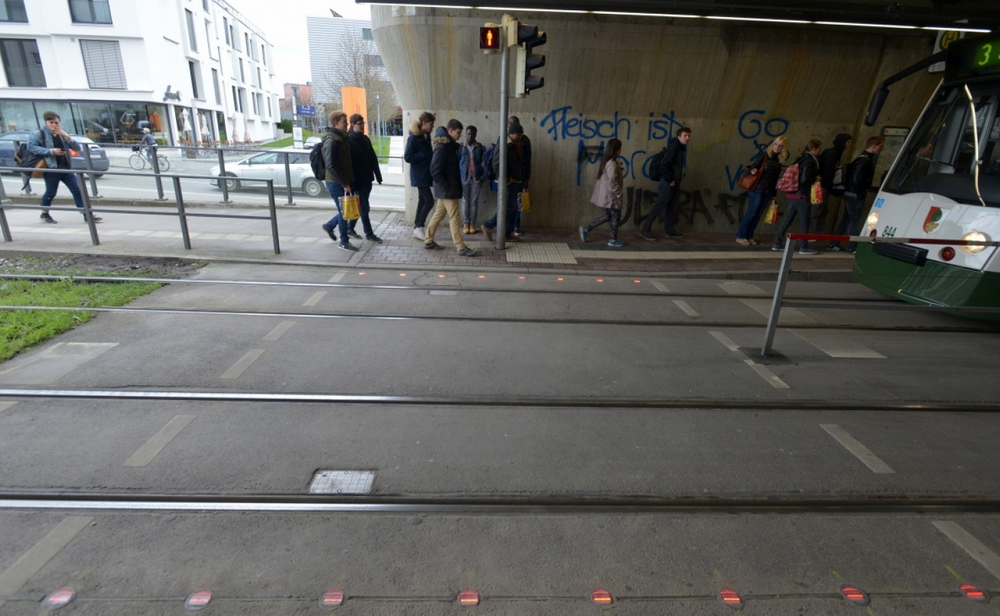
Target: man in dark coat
column 447, row 178
column 339, row 174
column 366, row 169
column 671, row 172
column 518, row 173
column 858, row 179
column 829, row 162
column 418, row 153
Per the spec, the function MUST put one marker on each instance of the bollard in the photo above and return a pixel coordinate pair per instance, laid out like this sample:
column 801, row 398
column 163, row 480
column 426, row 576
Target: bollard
column 181, row 213
column 90, row 168
column 222, row 174
column 88, row 214
column 288, row 179
column 779, row 294
column 272, row 208
column 156, row 170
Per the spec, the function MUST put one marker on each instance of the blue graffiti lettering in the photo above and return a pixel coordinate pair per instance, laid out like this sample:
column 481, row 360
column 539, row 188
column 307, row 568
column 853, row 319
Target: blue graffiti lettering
column 662, row 128
column 732, row 177
column 562, row 126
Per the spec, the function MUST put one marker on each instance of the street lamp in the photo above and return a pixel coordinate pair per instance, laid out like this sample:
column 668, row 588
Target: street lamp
column 378, row 111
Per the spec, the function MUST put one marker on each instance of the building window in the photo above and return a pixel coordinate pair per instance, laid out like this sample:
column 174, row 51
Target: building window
column 242, row 77
column 192, row 40
column 103, row 62
column 243, row 99
column 263, row 55
column 366, row 34
column 22, row 63
column 236, row 101
column 253, row 99
column 208, row 39
column 269, row 107
column 232, row 36
column 13, row 10
column 193, row 67
column 204, row 3
column 90, row 11
column 215, row 81
column 225, row 28
column 260, row 84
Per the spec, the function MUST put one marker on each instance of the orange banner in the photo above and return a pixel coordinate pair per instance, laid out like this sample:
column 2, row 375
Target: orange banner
column 355, row 101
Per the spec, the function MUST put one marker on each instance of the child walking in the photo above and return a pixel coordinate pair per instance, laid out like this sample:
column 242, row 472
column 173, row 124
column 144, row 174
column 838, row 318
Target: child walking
column 608, row 194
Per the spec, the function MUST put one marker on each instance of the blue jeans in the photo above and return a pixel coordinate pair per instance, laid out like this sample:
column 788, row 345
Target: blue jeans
column 758, row 200
column 513, row 190
column 666, row 204
column 363, row 191
column 52, row 186
column 798, row 206
column 337, row 191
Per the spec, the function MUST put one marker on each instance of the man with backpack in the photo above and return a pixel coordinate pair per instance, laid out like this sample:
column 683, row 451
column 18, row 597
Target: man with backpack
column 858, row 181
column 829, row 166
column 670, row 171
column 418, row 153
column 339, row 174
column 24, row 158
column 52, row 143
column 518, row 171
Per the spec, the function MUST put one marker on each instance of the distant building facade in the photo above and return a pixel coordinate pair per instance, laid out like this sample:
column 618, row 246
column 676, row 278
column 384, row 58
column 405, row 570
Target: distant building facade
column 189, row 70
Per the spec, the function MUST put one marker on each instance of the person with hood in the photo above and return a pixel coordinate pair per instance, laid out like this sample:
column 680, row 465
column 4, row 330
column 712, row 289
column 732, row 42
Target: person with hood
column 671, row 171
column 608, row 194
column 518, row 172
column 829, row 163
column 798, row 202
column 768, row 164
column 418, row 154
column 366, row 169
column 447, row 176
column 52, row 143
column 470, row 160
column 857, row 182
column 525, row 144
column 339, row 174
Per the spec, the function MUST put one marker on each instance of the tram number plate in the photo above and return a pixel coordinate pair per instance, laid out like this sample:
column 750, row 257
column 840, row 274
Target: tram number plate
column 889, row 232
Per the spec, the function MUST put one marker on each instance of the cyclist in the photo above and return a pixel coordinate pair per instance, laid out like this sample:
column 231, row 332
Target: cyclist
column 150, row 146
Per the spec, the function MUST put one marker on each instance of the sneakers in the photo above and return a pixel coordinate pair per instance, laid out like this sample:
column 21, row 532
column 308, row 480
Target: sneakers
column 329, row 231
column 349, row 247
column 647, row 237
column 432, row 245
column 778, row 248
column 374, row 239
column 674, row 235
column 517, row 232
column 583, row 234
column 418, row 233
column 753, row 242
column 97, row 219
column 808, row 251
column 835, row 248
column 472, row 229
column 488, row 234
column 46, row 217
column 851, row 250
column 468, row 252
column 351, row 233
column 742, row 242
column 615, row 243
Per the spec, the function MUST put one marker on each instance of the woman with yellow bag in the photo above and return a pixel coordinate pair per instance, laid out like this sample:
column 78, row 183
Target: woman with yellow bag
column 799, row 201
column 765, row 168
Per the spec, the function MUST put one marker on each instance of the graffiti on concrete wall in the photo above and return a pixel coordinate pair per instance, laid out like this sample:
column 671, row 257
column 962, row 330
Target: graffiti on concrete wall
column 692, row 206
column 757, row 130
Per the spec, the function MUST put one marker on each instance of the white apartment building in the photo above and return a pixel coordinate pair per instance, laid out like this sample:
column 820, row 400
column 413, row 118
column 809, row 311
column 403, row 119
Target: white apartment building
column 189, row 70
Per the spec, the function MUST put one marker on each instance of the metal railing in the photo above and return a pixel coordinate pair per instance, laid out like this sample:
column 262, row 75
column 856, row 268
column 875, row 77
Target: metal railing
column 786, row 268
column 182, row 213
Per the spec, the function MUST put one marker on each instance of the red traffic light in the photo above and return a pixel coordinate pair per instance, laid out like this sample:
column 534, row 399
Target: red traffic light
column 489, row 38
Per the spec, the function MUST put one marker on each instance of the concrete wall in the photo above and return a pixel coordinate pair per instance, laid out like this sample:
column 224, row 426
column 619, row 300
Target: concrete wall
column 736, row 85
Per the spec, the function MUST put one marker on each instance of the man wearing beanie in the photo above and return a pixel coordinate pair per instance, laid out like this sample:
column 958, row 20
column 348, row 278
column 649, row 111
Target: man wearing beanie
column 518, row 172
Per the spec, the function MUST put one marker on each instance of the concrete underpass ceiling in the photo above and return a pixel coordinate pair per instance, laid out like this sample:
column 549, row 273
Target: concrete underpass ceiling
column 923, row 13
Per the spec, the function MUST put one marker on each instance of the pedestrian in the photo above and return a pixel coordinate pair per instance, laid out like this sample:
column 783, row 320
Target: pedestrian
column 447, row 176
column 857, row 182
column 339, row 174
column 366, row 170
column 799, row 202
column 52, row 143
column 671, row 172
column 768, row 165
column 526, row 153
column 829, row 164
column 518, row 168
column 149, row 146
column 473, row 175
column 608, row 193
column 418, row 153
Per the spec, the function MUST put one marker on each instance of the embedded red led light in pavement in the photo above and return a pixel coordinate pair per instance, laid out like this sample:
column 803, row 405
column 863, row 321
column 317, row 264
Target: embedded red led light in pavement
column 731, row 598
column 601, row 597
column 974, row 593
column 468, row 597
column 58, row 599
column 332, row 598
column 855, row 595
column 198, row 600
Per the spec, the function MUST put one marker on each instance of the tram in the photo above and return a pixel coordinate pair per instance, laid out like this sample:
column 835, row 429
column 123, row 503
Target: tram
column 944, row 184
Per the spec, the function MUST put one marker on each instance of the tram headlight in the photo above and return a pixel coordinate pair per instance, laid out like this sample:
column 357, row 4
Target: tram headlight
column 975, row 236
column 872, row 221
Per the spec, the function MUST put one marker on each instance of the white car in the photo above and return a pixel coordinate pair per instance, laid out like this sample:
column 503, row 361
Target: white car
column 271, row 166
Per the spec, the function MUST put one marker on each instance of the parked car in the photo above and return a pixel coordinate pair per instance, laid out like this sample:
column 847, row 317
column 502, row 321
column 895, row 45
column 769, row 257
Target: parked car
column 311, row 141
column 9, row 143
column 271, row 166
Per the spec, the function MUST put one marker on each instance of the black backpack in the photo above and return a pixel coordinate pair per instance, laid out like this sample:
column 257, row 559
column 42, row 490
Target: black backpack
column 23, row 157
column 316, row 161
column 654, row 165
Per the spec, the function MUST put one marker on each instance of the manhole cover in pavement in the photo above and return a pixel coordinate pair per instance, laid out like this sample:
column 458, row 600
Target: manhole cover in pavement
column 342, row 482
column 529, row 252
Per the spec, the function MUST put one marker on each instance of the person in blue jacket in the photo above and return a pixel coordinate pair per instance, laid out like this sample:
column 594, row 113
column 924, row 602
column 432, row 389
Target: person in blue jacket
column 53, row 143
column 470, row 161
column 418, row 153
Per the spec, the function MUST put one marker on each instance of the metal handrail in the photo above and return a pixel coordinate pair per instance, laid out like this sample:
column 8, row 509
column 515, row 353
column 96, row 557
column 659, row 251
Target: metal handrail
column 182, row 214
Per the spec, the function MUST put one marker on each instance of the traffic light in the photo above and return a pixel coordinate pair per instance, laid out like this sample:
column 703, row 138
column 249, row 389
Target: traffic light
column 489, row 38
column 528, row 38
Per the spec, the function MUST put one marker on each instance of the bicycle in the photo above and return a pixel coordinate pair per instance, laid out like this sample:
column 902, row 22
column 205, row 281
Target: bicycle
column 138, row 160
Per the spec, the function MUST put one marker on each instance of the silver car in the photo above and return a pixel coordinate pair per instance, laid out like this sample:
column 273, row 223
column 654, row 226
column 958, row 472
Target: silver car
column 271, row 166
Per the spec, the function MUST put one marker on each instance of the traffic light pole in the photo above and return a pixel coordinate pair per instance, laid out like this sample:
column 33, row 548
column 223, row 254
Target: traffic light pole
column 502, row 172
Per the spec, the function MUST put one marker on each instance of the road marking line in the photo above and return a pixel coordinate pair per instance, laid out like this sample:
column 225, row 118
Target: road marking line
column 145, row 454
column 661, row 287
column 741, row 288
column 835, row 345
column 861, row 452
column 972, row 546
column 25, row 568
column 789, row 316
column 725, row 340
column 688, row 310
column 6, row 405
column 276, row 333
column 312, row 301
column 338, row 276
column 245, row 362
column 769, row 376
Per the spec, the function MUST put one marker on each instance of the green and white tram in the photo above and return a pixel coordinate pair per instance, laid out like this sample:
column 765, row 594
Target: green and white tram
column 944, row 184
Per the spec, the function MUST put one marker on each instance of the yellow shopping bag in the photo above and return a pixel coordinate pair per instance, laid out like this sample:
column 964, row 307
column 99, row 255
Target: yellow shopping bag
column 351, row 209
column 524, row 201
column 771, row 214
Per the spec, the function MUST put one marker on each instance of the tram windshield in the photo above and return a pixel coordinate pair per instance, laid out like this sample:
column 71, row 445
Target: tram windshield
column 940, row 156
